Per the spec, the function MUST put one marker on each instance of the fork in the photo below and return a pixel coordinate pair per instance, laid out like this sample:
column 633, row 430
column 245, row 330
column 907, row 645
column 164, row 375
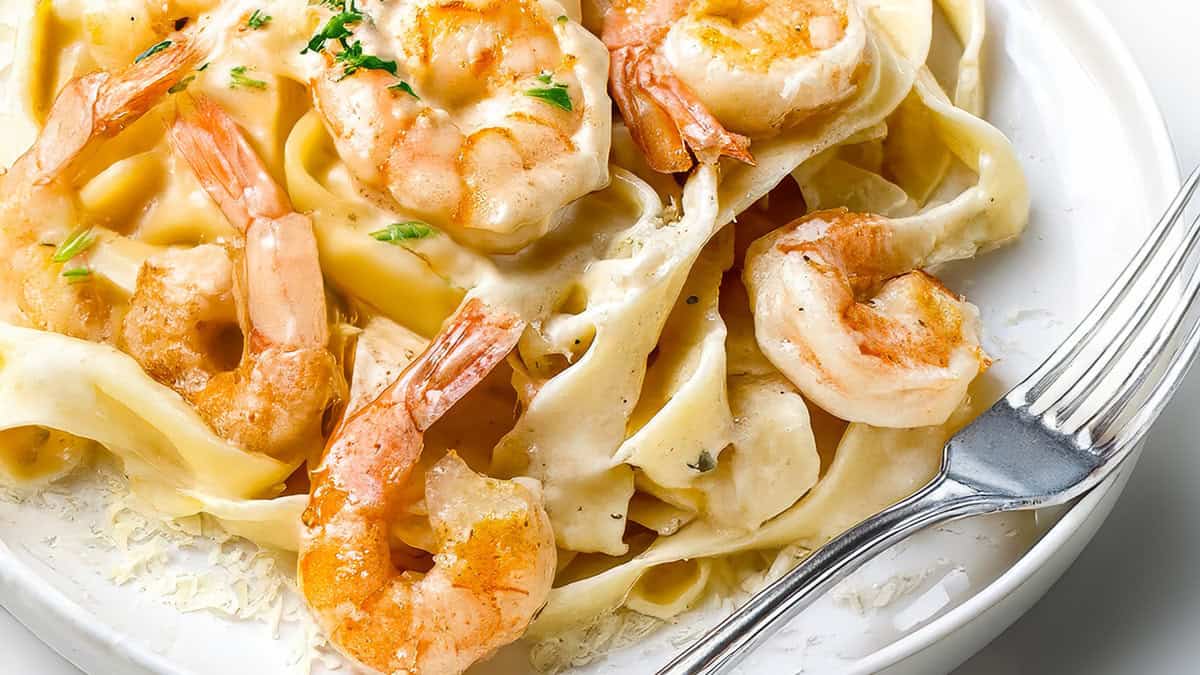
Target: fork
column 1055, row 436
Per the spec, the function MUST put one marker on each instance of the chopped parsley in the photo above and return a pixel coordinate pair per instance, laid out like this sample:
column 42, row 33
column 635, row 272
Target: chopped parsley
column 544, row 77
column 556, row 94
column 334, row 29
column 562, row 18
column 152, row 50
column 258, row 20
column 181, row 85
column 398, row 232
column 352, row 57
column 354, row 60
column 704, row 463
column 77, row 274
column 79, row 241
column 238, row 78
column 404, row 87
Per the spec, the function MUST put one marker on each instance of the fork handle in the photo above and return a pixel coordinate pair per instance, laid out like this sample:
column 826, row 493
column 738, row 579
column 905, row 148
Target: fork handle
column 723, row 646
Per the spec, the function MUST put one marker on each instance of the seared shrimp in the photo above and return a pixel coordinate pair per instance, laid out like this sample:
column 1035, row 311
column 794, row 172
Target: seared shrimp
column 903, row 358
column 492, row 117
column 495, row 556
column 39, row 211
column 272, row 401
column 703, row 77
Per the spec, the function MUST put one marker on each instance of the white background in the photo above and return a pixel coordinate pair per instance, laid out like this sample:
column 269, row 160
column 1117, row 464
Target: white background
column 1131, row 604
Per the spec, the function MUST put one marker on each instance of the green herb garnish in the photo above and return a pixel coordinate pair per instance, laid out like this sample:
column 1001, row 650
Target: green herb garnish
column 404, row 87
column 562, row 18
column 77, row 274
column 238, row 78
column 258, row 20
column 398, row 232
column 704, row 463
column 556, row 94
column 154, row 49
column 181, row 85
column 545, row 77
column 334, row 29
column 353, row 59
column 79, row 241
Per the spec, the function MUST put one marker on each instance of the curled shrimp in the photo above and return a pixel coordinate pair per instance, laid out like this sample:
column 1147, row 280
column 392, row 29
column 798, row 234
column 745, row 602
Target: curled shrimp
column 903, row 358
column 38, row 208
column 490, row 125
column 273, row 399
column 495, row 557
column 704, row 77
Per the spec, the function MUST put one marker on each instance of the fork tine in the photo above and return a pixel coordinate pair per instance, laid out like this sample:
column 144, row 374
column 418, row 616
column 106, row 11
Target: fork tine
column 1036, row 385
column 1179, row 356
column 1184, row 356
column 1095, row 372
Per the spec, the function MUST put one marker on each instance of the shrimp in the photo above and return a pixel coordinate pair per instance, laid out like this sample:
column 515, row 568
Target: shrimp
column 495, row 557
column 704, row 77
column 495, row 117
column 272, row 401
column 39, row 209
column 903, row 358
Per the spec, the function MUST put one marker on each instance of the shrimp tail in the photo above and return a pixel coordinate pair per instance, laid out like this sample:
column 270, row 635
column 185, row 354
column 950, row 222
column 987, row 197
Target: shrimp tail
column 666, row 118
column 102, row 104
column 228, row 175
column 285, row 289
column 477, row 340
column 705, row 136
column 649, row 123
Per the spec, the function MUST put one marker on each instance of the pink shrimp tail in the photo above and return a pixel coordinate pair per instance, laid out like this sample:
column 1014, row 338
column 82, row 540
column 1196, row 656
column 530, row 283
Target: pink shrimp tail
column 666, row 118
column 213, row 145
column 101, row 104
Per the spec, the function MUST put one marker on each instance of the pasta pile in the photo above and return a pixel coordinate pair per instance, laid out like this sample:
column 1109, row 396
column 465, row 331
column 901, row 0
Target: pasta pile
column 671, row 452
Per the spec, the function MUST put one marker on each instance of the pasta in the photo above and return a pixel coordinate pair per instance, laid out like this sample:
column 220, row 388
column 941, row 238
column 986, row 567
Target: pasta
column 519, row 296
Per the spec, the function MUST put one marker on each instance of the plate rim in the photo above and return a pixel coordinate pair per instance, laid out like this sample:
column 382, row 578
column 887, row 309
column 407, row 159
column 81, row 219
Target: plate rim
column 1129, row 76
column 84, row 640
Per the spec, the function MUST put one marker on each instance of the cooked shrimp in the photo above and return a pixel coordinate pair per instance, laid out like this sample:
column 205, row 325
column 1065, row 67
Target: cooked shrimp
column 495, row 556
column 903, row 358
column 39, row 211
column 704, row 77
column 496, row 116
column 272, row 401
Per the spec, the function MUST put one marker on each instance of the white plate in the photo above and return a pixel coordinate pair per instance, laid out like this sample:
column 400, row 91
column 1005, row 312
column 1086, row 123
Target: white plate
column 1100, row 167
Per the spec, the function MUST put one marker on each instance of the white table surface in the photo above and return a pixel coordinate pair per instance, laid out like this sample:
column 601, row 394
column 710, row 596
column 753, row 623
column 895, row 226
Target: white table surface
column 1131, row 604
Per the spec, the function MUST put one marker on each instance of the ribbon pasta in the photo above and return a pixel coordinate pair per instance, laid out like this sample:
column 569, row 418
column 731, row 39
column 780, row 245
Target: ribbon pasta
column 669, row 449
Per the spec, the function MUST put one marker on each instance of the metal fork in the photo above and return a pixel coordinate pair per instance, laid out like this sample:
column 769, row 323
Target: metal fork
column 1052, row 438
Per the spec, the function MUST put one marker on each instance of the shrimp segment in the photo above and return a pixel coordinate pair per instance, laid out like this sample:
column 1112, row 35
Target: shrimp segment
column 272, row 401
column 499, row 127
column 39, row 207
column 710, row 75
column 903, row 358
column 496, row 557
